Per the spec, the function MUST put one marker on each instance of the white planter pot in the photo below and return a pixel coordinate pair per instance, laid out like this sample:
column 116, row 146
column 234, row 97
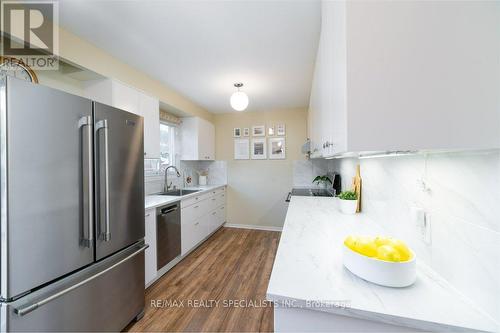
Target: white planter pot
column 347, row 206
column 202, row 180
column 322, row 185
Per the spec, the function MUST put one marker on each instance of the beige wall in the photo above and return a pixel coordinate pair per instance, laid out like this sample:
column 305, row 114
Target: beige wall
column 257, row 189
column 60, row 81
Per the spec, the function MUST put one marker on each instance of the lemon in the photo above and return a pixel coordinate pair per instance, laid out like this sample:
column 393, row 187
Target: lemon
column 366, row 246
column 401, row 247
column 388, row 253
column 350, row 242
column 379, row 240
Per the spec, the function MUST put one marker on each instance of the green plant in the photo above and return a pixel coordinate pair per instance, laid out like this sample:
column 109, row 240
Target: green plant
column 322, row 179
column 348, row 195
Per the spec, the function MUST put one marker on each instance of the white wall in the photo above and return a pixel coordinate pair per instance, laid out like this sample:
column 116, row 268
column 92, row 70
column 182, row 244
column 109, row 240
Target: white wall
column 462, row 196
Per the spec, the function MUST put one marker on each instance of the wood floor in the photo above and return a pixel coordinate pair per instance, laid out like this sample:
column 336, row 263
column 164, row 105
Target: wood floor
column 228, row 277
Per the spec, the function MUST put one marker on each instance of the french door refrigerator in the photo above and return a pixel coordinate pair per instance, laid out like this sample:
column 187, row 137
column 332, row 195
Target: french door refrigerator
column 71, row 212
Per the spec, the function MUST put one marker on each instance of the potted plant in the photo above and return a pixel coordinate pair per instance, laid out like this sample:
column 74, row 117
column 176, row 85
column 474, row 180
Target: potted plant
column 348, row 202
column 322, row 181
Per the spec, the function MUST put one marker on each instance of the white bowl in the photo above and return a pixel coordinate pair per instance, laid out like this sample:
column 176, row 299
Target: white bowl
column 385, row 273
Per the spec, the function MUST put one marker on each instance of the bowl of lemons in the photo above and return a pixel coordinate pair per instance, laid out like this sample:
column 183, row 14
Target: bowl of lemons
column 382, row 260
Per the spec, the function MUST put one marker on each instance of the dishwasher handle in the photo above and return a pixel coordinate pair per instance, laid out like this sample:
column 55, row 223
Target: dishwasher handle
column 167, row 210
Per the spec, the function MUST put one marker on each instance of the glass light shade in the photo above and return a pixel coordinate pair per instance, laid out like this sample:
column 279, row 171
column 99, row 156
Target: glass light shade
column 239, row 101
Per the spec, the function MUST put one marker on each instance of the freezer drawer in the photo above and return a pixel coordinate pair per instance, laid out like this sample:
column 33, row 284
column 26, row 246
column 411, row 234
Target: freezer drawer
column 104, row 297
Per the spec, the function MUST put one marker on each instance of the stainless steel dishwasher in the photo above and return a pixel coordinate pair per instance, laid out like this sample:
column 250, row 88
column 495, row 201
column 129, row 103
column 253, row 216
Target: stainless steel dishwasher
column 168, row 234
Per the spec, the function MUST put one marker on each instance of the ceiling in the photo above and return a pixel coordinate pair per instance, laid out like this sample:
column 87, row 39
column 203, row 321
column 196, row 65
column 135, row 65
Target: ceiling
column 200, row 48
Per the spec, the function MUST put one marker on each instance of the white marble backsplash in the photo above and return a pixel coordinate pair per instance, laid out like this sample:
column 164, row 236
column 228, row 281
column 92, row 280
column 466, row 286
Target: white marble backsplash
column 460, row 192
column 304, row 171
column 217, row 174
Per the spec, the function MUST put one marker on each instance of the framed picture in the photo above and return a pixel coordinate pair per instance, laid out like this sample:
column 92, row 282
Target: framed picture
column 259, row 149
column 241, row 149
column 237, row 132
column 280, row 129
column 259, row 130
column 277, row 148
column 270, row 130
column 246, row 131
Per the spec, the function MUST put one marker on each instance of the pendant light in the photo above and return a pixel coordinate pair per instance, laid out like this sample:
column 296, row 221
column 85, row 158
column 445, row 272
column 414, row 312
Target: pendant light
column 239, row 100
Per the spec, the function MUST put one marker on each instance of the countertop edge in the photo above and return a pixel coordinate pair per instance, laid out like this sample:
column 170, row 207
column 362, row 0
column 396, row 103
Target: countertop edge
column 169, row 199
column 371, row 316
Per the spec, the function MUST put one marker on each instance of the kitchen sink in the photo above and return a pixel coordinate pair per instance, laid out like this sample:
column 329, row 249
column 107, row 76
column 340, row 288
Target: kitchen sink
column 178, row 193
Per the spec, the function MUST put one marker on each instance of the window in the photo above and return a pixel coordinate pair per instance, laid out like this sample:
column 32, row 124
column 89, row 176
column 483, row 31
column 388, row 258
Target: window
column 167, row 146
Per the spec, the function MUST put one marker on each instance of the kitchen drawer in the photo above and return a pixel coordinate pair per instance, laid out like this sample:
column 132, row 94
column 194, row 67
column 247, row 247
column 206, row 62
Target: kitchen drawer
column 220, row 199
column 195, row 211
column 217, row 191
column 221, row 215
column 212, row 221
column 195, row 199
column 212, row 202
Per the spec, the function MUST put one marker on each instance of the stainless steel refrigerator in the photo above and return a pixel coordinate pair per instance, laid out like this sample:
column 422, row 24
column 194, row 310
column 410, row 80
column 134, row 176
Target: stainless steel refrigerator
column 71, row 212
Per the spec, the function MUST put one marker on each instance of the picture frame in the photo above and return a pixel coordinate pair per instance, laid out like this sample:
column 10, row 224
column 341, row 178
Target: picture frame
column 259, row 130
column 241, row 149
column 277, row 148
column 236, row 132
column 280, row 130
column 246, row 131
column 259, row 149
column 270, row 130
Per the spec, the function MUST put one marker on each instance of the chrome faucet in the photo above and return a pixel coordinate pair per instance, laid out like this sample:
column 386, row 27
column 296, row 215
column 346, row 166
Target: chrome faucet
column 166, row 185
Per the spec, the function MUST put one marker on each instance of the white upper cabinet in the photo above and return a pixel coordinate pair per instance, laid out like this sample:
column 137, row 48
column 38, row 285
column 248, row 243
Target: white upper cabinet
column 390, row 76
column 198, row 139
column 149, row 108
column 124, row 97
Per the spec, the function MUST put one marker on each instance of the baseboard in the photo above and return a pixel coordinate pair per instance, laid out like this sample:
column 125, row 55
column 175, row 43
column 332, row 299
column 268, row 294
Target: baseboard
column 254, row 227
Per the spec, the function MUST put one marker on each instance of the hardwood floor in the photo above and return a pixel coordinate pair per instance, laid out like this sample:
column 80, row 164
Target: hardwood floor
column 229, row 273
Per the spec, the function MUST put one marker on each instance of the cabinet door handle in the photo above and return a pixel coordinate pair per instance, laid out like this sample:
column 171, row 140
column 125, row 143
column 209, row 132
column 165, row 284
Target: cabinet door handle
column 214, row 213
column 196, row 206
column 147, row 215
column 197, row 223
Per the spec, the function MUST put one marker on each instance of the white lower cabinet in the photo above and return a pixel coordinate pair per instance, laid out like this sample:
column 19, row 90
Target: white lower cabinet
column 150, row 253
column 201, row 216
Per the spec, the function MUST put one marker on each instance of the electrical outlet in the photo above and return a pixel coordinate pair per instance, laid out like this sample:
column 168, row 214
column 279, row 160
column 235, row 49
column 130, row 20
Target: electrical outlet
column 417, row 215
column 426, row 229
column 422, row 221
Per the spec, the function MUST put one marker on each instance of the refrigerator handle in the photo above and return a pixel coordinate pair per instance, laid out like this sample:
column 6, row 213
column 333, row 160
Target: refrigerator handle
column 24, row 310
column 88, row 180
column 106, row 235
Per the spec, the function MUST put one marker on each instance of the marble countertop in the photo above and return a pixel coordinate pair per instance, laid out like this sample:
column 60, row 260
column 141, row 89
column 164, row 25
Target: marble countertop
column 154, row 200
column 308, row 270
